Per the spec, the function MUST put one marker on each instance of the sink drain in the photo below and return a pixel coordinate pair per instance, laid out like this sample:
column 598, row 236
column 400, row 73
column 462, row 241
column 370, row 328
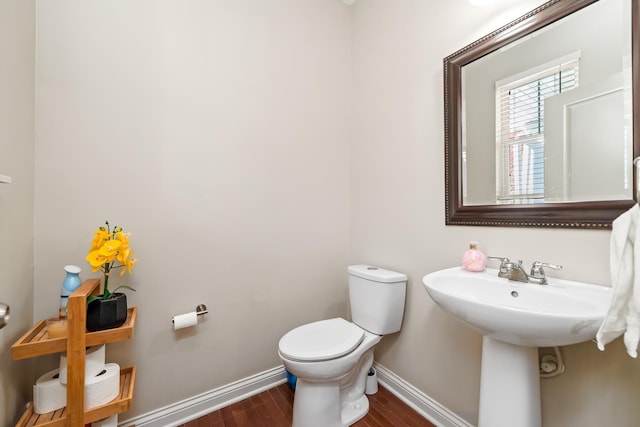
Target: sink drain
column 515, row 294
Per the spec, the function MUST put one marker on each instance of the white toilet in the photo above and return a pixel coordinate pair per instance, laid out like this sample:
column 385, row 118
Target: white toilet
column 331, row 358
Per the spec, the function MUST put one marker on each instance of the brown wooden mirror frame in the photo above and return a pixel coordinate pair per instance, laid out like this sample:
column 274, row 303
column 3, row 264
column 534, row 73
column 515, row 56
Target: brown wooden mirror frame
column 590, row 215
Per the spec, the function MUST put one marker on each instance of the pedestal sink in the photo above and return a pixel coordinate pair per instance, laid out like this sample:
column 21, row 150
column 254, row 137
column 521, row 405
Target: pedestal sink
column 516, row 318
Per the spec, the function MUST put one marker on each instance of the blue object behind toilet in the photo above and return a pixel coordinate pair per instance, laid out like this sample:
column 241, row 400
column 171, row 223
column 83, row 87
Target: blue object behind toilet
column 291, row 379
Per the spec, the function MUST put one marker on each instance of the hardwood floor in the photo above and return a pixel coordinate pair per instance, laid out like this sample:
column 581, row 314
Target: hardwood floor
column 274, row 408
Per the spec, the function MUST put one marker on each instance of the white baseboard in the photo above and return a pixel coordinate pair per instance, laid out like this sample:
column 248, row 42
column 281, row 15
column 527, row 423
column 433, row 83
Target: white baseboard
column 420, row 402
column 197, row 406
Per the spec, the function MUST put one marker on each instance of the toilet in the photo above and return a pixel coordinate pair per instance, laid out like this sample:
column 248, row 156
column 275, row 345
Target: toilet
column 331, row 358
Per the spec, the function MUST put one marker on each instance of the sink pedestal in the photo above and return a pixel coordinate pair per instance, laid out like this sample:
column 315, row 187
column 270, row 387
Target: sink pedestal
column 509, row 385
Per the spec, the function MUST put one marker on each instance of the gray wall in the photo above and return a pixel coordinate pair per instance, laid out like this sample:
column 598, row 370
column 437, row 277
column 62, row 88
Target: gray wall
column 398, row 216
column 17, row 55
column 216, row 132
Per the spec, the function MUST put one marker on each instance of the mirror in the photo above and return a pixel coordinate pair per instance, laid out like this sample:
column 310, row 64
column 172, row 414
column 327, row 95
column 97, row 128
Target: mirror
column 539, row 123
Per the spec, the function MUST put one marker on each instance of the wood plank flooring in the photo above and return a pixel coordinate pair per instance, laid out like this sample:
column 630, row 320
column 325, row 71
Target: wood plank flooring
column 274, row 408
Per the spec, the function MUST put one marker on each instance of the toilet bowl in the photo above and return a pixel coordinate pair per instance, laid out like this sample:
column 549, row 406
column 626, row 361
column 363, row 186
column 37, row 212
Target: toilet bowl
column 331, row 382
column 331, row 358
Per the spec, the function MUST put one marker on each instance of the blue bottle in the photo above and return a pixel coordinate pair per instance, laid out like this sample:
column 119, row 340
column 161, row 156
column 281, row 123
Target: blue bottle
column 71, row 283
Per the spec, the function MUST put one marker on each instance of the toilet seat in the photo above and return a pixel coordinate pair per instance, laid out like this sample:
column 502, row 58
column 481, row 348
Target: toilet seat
column 322, row 340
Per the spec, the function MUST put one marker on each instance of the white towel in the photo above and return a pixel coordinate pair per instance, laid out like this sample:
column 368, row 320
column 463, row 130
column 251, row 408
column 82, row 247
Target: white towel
column 623, row 316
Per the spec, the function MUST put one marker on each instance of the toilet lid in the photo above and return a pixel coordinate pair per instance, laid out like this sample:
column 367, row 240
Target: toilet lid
column 323, row 340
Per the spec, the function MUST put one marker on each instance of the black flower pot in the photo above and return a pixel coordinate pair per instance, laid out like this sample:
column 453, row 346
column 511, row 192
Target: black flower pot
column 107, row 313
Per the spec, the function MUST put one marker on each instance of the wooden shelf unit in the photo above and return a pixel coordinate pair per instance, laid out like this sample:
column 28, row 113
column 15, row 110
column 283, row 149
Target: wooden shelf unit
column 36, row 342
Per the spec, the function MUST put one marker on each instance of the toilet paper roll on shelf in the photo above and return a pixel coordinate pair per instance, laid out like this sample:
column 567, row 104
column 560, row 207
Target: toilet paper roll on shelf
column 189, row 319
column 49, row 394
column 103, row 387
column 94, row 363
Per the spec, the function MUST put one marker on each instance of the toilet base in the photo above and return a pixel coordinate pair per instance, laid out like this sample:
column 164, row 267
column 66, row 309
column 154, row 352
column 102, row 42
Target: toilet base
column 316, row 404
column 354, row 411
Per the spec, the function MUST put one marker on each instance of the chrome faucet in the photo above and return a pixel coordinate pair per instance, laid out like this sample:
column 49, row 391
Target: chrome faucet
column 515, row 271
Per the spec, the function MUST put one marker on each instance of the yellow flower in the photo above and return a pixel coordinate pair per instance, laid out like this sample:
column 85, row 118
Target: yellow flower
column 96, row 260
column 128, row 264
column 108, row 247
column 123, row 254
column 99, row 238
column 122, row 237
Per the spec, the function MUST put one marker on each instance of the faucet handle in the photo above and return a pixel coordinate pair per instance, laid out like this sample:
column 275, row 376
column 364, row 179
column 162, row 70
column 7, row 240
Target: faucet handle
column 537, row 269
column 505, row 265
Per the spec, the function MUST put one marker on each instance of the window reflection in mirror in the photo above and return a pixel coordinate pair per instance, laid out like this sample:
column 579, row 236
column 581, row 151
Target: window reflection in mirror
column 548, row 118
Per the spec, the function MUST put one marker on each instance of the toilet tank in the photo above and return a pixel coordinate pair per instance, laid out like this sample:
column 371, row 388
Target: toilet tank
column 376, row 298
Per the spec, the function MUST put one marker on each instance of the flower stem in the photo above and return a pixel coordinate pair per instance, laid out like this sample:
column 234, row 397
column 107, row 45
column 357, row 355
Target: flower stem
column 105, row 293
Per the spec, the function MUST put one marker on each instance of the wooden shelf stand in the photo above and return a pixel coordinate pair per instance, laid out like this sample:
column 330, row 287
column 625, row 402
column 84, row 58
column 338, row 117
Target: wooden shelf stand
column 36, row 342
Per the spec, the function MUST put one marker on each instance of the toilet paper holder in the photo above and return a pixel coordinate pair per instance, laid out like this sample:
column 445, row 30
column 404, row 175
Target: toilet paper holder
column 201, row 310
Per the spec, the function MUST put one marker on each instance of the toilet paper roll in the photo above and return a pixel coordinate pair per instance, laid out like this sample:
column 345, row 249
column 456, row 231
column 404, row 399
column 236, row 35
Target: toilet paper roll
column 185, row 320
column 371, row 386
column 107, row 422
column 48, row 393
column 93, row 364
column 103, row 387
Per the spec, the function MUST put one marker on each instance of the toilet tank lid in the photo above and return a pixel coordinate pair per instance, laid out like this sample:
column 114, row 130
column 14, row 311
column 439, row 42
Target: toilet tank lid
column 376, row 274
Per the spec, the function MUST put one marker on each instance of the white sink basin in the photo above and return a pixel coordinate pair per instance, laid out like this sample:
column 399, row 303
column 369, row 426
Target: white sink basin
column 560, row 313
